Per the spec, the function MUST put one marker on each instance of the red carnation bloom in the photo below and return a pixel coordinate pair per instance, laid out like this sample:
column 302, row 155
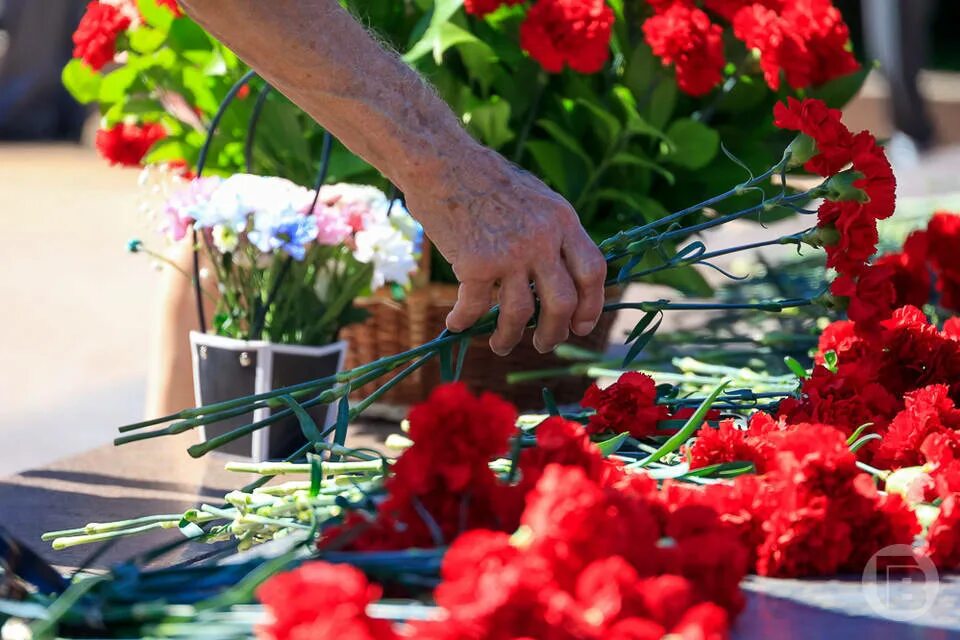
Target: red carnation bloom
column 127, row 144
column 846, row 399
column 483, row 7
column 727, row 443
column 95, row 40
column 813, row 118
column 629, row 404
column 873, row 296
column 321, row 600
column 575, row 33
column 943, row 539
column 849, row 225
column 943, row 231
column 443, row 483
column 910, row 277
column 840, row 337
column 683, row 36
column 729, row 8
column 805, row 39
column 928, row 410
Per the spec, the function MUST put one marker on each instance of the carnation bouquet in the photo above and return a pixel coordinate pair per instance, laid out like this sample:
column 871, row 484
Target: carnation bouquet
column 287, row 262
column 634, row 515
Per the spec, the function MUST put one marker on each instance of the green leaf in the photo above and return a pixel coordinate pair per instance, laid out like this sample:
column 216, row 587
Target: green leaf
column 307, row 426
column 566, row 140
column 627, row 158
column 490, row 122
column 188, row 36
column 142, row 108
column 343, row 418
column 663, row 101
column 864, row 440
column 443, row 10
column 839, row 91
column 642, row 340
column 693, row 423
column 548, row 156
column 316, row 474
column 830, row 361
column 611, row 125
column 693, row 144
column 635, row 122
column 859, row 432
column 116, row 85
column 794, row 365
column 81, row 81
column 146, row 40
column 608, row 447
column 723, row 470
column 154, row 15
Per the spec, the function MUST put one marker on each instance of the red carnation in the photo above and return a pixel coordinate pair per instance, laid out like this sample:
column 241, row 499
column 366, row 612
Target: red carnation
column 685, row 37
column 943, row 231
column 483, row 7
column 575, row 33
column 910, row 277
column 813, row 118
column 807, row 40
column 95, row 39
column 927, row 411
column 127, row 144
column 321, row 600
column 943, row 539
column 728, row 443
column 841, row 338
column 629, row 404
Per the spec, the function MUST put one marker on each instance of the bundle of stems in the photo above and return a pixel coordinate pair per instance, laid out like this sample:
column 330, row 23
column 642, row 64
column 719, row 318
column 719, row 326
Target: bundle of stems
column 631, row 255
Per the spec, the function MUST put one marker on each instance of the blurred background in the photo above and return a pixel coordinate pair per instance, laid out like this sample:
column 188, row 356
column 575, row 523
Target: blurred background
column 78, row 310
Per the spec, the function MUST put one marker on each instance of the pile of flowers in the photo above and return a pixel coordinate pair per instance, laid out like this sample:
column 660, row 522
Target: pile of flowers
column 288, row 261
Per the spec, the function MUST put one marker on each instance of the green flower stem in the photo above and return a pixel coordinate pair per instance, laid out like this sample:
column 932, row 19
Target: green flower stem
column 103, row 527
column 704, row 257
column 692, row 425
column 640, row 231
column 329, row 468
column 272, row 522
column 696, row 366
column 73, row 541
column 774, row 306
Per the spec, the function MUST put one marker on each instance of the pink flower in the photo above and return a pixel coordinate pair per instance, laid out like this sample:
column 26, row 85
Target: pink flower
column 333, row 227
column 182, row 208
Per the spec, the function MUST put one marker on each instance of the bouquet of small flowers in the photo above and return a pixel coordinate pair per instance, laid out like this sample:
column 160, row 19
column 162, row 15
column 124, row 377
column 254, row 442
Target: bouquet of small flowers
column 286, row 261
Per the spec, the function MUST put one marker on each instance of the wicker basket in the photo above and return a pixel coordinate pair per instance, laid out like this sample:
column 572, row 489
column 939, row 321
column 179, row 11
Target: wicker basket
column 397, row 326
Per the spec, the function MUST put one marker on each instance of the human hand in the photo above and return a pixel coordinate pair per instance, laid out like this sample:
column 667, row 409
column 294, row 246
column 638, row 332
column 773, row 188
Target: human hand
column 497, row 224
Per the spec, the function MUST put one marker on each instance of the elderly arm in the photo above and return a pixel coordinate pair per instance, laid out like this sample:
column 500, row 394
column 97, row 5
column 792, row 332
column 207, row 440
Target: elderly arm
column 496, row 224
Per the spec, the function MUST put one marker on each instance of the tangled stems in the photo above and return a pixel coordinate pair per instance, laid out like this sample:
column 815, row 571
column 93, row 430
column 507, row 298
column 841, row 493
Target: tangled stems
column 631, row 245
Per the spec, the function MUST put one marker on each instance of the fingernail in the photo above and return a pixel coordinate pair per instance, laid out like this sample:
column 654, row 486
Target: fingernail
column 540, row 348
column 583, row 328
column 500, row 351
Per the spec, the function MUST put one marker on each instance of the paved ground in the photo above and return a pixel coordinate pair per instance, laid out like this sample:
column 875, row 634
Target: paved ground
column 75, row 306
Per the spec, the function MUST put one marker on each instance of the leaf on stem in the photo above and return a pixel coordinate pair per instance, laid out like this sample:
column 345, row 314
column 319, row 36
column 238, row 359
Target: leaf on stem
column 641, row 335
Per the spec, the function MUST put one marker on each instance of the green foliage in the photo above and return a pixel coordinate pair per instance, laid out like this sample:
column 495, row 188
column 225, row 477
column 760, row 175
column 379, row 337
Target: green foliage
column 624, row 145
